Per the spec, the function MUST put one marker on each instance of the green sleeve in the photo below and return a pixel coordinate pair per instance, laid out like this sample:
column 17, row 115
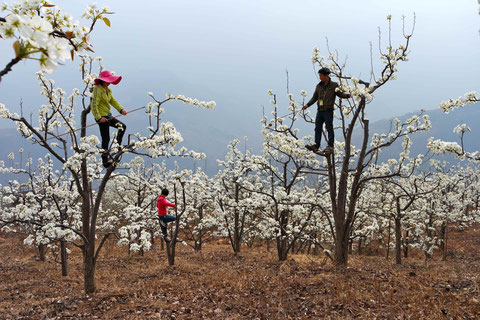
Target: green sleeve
column 115, row 103
column 95, row 104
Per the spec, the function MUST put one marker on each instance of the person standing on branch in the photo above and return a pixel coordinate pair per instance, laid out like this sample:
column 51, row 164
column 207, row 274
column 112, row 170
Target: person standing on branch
column 100, row 106
column 163, row 217
column 324, row 96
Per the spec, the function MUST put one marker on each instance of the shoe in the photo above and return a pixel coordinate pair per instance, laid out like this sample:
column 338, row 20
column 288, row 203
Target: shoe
column 312, row 147
column 328, row 149
column 166, row 238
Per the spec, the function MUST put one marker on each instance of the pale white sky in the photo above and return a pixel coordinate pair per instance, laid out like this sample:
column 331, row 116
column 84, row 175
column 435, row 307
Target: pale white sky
column 233, row 51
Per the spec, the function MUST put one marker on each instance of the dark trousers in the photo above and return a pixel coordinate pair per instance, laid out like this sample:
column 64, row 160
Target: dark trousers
column 166, row 219
column 327, row 118
column 105, row 133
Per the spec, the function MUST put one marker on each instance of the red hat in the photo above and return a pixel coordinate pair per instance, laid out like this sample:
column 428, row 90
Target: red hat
column 107, row 76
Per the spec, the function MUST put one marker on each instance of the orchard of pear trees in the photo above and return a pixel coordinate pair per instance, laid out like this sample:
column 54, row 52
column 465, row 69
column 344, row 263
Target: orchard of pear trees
column 284, row 195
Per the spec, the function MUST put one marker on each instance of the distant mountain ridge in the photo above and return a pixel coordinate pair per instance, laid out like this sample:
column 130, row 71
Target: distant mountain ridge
column 213, row 140
column 442, row 128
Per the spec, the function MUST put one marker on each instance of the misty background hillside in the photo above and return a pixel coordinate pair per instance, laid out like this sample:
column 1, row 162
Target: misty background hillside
column 233, row 52
column 213, row 136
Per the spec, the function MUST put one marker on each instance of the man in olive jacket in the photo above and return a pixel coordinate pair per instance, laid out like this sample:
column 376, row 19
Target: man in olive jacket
column 324, row 96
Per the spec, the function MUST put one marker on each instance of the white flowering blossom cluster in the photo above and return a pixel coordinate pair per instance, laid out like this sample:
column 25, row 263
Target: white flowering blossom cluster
column 199, row 222
column 451, row 104
column 88, row 152
column 233, row 204
column 132, row 205
column 399, row 129
column 419, row 207
column 131, row 208
column 441, row 147
column 194, row 102
column 44, row 32
column 287, row 193
column 80, row 156
column 44, row 207
column 59, row 112
column 461, row 128
column 267, row 194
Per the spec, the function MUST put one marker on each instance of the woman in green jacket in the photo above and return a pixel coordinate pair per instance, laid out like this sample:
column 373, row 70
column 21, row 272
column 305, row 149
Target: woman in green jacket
column 100, row 106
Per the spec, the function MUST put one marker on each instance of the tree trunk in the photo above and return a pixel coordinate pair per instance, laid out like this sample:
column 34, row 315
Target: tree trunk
column 340, row 258
column 236, row 233
column 41, row 252
column 173, row 241
column 398, row 241
column 171, row 252
column 405, row 245
column 89, row 270
column 152, row 237
column 198, row 246
column 63, row 257
column 282, row 240
column 282, row 249
column 237, row 236
column 388, row 239
column 430, row 236
column 443, row 244
column 315, row 249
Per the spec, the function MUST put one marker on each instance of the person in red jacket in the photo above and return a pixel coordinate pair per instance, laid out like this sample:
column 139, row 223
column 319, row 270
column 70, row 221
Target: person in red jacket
column 163, row 217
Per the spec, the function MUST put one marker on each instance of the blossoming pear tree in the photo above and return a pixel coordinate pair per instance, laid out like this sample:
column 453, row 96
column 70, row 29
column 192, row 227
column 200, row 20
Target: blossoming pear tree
column 43, row 207
column 132, row 209
column 441, row 147
column 288, row 203
column 79, row 154
column 44, row 32
column 369, row 220
column 200, row 222
column 233, row 204
column 403, row 192
column 350, row 168
column 177, row 181
column 449, row 206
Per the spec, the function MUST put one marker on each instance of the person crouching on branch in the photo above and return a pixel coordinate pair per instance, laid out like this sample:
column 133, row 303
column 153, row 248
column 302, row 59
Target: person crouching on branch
column 324, row 96
column 100, row 106
column 163, row 217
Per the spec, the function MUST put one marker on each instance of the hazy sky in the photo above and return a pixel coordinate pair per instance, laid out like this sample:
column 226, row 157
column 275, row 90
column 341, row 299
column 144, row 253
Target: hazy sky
column 234, row 51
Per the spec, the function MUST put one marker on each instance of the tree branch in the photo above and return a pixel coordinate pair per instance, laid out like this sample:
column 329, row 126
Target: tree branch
column 9, row 66
column 105, row 237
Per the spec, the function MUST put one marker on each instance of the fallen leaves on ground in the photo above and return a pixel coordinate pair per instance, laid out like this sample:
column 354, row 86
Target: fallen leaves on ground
column 216, row 284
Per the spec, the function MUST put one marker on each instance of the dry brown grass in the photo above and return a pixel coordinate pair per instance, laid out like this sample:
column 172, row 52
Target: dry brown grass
column 253, row 285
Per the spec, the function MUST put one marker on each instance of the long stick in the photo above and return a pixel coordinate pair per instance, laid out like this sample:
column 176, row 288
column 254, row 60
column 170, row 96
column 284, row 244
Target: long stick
column 293, row 112
column 92, row 124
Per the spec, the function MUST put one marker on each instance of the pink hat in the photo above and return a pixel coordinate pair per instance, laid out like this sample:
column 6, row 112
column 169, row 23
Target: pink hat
column 107, row 76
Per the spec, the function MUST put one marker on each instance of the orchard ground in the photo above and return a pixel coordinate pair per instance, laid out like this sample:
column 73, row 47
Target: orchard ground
column 215, row 284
